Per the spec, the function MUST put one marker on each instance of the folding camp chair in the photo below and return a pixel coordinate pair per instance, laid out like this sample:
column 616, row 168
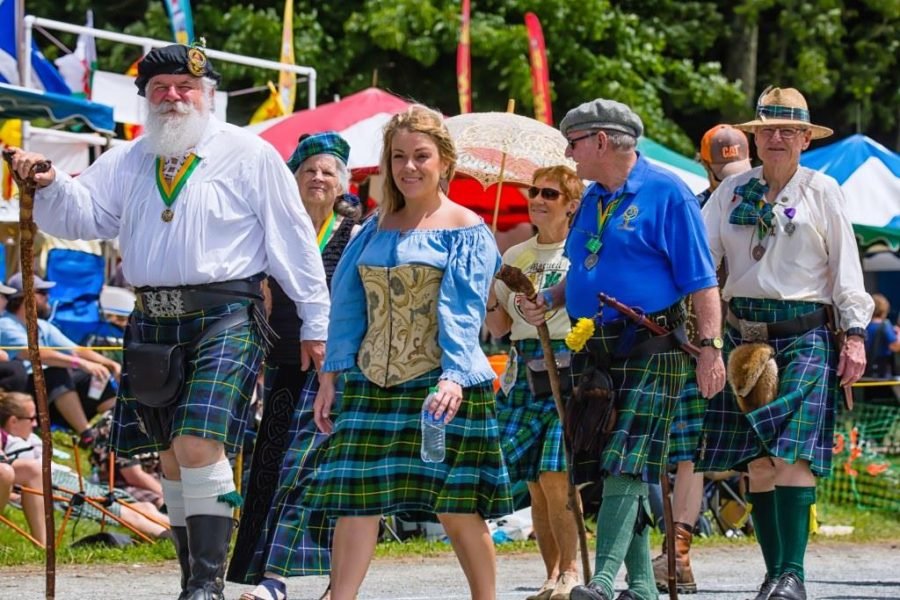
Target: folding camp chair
column 76, row 296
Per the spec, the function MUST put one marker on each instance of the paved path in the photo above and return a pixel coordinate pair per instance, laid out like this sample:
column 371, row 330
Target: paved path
column 835, row 571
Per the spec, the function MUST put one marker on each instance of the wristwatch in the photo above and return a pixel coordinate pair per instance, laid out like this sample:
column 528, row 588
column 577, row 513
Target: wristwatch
column 857, row 331
column 715, row 342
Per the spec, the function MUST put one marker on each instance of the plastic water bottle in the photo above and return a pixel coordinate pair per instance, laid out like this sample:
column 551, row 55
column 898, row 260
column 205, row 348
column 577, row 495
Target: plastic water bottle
column 432, row 432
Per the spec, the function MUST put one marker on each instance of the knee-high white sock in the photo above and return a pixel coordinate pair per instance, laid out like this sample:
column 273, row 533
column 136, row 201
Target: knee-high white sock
column 210, row 490
column 174, row 497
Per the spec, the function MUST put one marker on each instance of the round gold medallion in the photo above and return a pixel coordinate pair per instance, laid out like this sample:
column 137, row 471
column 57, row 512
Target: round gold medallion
column 168, row 215
column 196, row 62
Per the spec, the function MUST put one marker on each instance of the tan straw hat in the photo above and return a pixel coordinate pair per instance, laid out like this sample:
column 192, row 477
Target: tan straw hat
column 783, row 107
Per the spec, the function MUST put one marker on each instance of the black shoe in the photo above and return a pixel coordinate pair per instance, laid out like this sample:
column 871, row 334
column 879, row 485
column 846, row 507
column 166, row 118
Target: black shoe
column 180, row 541
column 208, row 538
column 766, row 588
column 789, row 587
column 591, row 591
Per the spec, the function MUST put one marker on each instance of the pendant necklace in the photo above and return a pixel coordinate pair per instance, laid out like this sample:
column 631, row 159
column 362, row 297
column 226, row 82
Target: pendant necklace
column 169, row 190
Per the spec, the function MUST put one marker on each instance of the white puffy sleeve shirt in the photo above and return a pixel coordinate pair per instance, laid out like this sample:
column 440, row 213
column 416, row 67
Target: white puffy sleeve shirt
column 819, row 262
column 239, row 214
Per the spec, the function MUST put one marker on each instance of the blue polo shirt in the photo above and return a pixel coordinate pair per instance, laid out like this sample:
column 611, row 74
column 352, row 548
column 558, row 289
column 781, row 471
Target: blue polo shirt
column 654, row 251
column 13, row 333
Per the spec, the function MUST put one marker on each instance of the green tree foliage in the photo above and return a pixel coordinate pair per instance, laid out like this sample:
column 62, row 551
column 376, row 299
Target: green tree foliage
column 683, row 65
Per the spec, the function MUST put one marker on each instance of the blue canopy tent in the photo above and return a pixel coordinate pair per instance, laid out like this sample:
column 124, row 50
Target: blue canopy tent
column 24, row 103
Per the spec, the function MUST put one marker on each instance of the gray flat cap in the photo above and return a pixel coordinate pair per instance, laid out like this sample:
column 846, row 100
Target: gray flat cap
column 602, row 114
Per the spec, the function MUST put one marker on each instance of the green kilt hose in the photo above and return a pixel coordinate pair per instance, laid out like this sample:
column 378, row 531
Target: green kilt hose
column 372, row 463
column 647, row 389
column 687, row 422
column 293, row 541
column 530, row 432
column 799, row 423
column 219, row 380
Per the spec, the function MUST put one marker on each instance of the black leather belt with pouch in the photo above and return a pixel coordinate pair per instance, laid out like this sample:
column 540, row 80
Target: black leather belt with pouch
column 539, row 377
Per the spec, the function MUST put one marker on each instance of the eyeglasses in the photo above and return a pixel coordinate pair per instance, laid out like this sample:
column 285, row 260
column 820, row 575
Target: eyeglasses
column 42, row 292
column 574, row 141
column 546, row 193
column 32, row 418
column 786, row 133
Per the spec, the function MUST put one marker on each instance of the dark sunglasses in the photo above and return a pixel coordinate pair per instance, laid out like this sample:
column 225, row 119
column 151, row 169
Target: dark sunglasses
column 546, row 193
column 32, row 418
column 574, row 141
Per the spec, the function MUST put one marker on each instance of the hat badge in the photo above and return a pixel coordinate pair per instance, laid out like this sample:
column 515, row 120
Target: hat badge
column 196, row 62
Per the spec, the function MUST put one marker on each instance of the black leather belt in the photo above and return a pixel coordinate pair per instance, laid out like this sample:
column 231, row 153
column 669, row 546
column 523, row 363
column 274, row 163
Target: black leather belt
column 758, row 331
column 176, row 301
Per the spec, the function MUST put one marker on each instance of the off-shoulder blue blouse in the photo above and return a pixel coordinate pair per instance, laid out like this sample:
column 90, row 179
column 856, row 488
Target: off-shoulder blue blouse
column 468, row 256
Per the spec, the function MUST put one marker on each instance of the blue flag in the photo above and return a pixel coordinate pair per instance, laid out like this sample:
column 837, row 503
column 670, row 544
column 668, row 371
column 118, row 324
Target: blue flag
column 181, row 20
column 44, row 75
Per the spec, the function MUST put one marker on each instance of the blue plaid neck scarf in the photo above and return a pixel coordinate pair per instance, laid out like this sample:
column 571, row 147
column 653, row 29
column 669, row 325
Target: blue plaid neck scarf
column 753, row 208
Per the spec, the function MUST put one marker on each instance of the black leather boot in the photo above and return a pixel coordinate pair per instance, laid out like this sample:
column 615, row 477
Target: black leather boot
column 180, row 541
column 208, row 538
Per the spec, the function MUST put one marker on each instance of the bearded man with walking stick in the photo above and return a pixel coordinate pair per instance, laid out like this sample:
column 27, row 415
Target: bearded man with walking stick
column 636, row 236
column 202, row 210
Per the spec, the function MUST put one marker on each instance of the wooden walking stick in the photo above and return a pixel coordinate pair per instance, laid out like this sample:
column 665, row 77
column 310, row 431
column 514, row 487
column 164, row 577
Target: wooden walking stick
column 27, row 230
column 516, row 281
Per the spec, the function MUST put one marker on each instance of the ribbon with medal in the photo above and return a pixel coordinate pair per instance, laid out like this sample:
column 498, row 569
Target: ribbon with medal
column 594, row 244
column 325, row 232
column 169, row 190
column 755, row 211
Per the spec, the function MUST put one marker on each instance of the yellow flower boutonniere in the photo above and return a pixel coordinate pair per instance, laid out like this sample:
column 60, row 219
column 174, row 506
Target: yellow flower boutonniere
column 580, row 334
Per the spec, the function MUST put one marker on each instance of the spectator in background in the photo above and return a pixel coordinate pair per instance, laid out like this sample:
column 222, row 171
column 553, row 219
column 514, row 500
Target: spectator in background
column 881, row 341
column 69, row 369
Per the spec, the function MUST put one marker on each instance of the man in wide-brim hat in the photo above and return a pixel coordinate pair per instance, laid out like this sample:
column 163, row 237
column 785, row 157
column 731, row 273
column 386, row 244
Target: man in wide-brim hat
column 792, row 262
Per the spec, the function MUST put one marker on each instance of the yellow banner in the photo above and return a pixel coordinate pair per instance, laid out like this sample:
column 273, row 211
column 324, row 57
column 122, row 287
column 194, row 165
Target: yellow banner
column 269, row 109
column 287, row 81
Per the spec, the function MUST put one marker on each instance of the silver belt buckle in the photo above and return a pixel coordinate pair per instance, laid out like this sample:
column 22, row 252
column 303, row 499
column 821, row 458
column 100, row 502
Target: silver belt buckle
column 162, row 303
column 753, row 331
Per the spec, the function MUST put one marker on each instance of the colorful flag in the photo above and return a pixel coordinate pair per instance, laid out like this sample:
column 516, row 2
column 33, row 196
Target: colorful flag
column 181, row 20
column 271, row 108
column 287, row 80
column 540, row 71
column 132, row 130
column 44, row 75
column 78, row 67
column 464, row 63
column 10, row 135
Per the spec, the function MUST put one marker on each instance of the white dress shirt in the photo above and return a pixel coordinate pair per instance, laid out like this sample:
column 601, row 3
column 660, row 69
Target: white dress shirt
column 239, row 214
column 819, row 262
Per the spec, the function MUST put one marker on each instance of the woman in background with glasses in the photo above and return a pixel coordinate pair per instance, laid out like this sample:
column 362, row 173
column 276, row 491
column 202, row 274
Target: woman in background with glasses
column 530, row 432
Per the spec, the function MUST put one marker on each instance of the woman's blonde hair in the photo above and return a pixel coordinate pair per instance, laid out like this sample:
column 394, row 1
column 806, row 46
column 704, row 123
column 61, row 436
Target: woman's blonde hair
column 415, row 119
column 571, row 185
column 11, row 404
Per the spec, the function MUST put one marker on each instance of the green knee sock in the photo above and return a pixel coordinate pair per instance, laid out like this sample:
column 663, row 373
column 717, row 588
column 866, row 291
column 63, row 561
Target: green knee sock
column 637, row 561
column 792, row 505
column 765, row 524
column 615, row 528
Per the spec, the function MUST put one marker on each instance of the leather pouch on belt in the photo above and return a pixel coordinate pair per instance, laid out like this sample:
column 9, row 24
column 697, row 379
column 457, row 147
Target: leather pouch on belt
column 155, row 372
column 539, row 377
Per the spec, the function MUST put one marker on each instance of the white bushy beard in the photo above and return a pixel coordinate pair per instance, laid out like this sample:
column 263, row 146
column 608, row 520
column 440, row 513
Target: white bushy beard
column 173, row 128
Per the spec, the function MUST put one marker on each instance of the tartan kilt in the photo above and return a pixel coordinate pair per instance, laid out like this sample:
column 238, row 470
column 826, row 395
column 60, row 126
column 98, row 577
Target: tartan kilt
column 219, row 380
column 647, row 389
column 799, row 423
column 294, row 541
column 530, row 432
column 372, row 463
column 687, row 422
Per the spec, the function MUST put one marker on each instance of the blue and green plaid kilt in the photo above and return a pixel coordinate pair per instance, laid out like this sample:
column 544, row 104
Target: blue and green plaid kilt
column 372, row 463
column 530, row 433
column 219, row 381
column 647, row 389
column 799, row 423
column 66, row 484
column 293, row 541
column 687, row 423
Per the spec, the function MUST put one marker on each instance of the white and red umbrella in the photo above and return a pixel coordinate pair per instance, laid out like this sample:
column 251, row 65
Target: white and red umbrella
column 359, row 118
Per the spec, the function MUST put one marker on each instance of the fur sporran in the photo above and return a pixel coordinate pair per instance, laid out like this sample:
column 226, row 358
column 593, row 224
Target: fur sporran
column 591, row 413
column 753, row 375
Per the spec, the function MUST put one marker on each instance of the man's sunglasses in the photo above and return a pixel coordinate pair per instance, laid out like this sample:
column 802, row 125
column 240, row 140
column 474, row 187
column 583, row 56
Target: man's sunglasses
column 546, row 193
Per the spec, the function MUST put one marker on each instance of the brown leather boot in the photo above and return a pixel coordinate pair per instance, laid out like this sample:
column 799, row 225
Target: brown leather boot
column 684, row 575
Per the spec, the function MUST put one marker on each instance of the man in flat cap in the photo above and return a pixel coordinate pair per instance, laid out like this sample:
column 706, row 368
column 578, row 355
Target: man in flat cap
column 202, row 210
column 638, row 237
column 724, row 151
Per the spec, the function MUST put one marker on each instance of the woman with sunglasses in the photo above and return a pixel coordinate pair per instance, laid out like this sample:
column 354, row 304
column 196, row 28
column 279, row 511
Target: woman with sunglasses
column 530, row 432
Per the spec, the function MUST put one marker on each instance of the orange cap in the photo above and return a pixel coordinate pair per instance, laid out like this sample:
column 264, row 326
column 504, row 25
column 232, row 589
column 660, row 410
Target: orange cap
column 724, row 144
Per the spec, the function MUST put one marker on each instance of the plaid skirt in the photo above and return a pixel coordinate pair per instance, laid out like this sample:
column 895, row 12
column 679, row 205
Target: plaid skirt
column 530, row 432
column 293, row 541
column 687, row 423
column 647, row 389
column 799, row 423
column 372, row 464
column 219, row 381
